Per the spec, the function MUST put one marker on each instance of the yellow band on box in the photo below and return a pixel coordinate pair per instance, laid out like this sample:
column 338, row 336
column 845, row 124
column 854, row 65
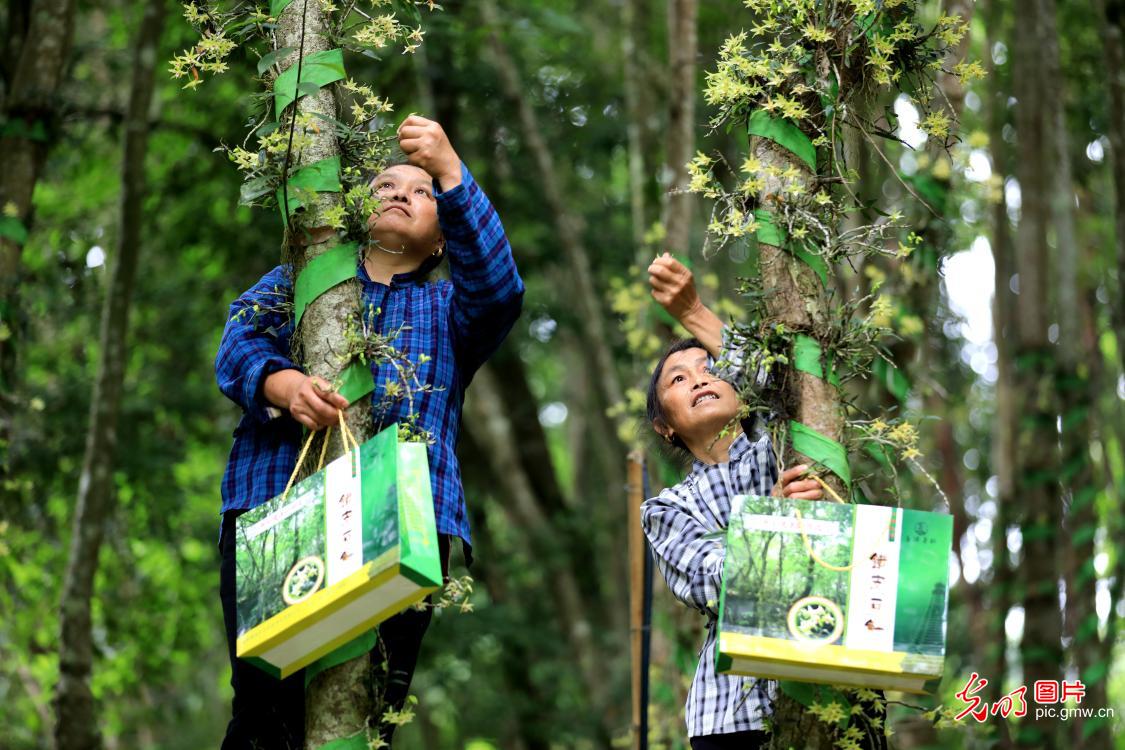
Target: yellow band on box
column 839, row 657
column 314, row 609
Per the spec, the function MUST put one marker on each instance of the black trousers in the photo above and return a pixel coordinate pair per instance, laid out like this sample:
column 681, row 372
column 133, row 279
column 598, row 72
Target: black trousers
column 752, row 740
column 269, row 714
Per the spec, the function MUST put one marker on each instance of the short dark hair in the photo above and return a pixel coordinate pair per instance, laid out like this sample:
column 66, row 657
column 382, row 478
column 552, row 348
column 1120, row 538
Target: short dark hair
column 654, row 407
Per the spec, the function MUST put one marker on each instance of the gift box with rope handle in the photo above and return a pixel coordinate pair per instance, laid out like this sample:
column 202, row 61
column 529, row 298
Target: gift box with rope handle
column 335, row 554
column 834, row 593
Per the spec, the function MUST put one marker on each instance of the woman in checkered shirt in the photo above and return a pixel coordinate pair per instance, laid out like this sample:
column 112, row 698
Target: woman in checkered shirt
column 689, row 407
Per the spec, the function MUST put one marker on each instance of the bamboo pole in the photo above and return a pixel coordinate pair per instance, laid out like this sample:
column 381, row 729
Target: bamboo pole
column 638, row 617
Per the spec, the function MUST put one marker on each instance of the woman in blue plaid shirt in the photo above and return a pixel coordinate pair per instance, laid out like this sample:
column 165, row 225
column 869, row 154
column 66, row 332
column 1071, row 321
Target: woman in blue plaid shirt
column 431, row 208
column 689, row 407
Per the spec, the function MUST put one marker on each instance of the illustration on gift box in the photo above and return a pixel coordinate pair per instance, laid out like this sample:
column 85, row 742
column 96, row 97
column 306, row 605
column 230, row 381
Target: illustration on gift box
column 834, row 593
column 335, row 554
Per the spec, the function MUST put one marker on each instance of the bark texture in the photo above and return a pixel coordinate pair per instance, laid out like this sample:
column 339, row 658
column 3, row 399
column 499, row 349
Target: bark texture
column 76, row 725
column 795, row 297
column 683, row 48
column 1035, row 62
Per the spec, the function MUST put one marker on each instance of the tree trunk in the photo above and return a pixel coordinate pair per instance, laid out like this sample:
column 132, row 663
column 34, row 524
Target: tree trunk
column 1035, row 63
column 491, row 429
column 798, row 300
column 34, row 66
column 1114, row 42
column 999, row 591
column 339, row 702
column 634, row 123
column 683, row 48
column 1078, row 357
column 76, row 727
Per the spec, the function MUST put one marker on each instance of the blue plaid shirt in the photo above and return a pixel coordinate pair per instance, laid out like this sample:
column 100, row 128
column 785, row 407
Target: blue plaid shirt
column 457, row 324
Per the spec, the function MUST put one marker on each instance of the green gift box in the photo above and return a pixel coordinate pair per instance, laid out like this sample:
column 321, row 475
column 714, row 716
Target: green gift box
column 339, row 552
column 834, row 593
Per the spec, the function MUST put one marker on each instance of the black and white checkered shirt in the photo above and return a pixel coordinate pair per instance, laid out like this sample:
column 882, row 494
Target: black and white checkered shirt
column 685, row 525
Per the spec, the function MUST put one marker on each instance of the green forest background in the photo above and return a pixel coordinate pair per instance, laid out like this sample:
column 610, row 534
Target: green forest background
column 566, row 112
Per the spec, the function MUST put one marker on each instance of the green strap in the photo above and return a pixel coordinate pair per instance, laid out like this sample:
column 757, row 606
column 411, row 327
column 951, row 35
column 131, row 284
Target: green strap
column 318, row 69
column 321, row 176
column 321, row 274
column 351, row 650
column 358, row 741
column 785, row 134
column 807, row 357
column 821, row 449
column 356, row 382
column 771, row 232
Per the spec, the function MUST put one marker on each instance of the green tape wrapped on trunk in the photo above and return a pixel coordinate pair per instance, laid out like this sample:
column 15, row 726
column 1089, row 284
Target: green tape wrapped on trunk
column 319, row 69
column 785, row 134
column 821, row 449
column 321, row 274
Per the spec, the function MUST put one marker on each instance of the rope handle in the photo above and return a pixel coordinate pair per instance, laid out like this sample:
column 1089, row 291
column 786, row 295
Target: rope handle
column 812, row 552
column 344, row 431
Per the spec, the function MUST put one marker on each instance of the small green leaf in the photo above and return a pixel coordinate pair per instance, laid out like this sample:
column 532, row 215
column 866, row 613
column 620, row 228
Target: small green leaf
column 12, row 228
column 272, row 58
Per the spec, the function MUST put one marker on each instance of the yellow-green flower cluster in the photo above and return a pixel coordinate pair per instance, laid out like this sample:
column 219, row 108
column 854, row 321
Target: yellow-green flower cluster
column 936, row 124
column 951, row 29
column 366, row 105
column 208, row 56
column 699, row 174
column 969, row 71
column 901, row 435
column 378, row 32
column 829, row 713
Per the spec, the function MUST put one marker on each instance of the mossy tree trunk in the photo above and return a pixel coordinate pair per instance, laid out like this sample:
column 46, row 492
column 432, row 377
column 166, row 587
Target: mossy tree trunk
column 798, row 300
column 340, row 701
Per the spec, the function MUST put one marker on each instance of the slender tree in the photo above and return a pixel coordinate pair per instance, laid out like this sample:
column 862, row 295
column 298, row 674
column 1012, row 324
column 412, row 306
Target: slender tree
column 1004, row 429
column 1035, row 62
column 634, row 120
column 1074, row 388
column 683, row 48
column 36, row 51
column 76, row 724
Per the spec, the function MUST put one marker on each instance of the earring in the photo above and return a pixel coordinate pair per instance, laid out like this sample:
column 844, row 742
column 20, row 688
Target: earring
column 669, row 437
column 440, row 250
